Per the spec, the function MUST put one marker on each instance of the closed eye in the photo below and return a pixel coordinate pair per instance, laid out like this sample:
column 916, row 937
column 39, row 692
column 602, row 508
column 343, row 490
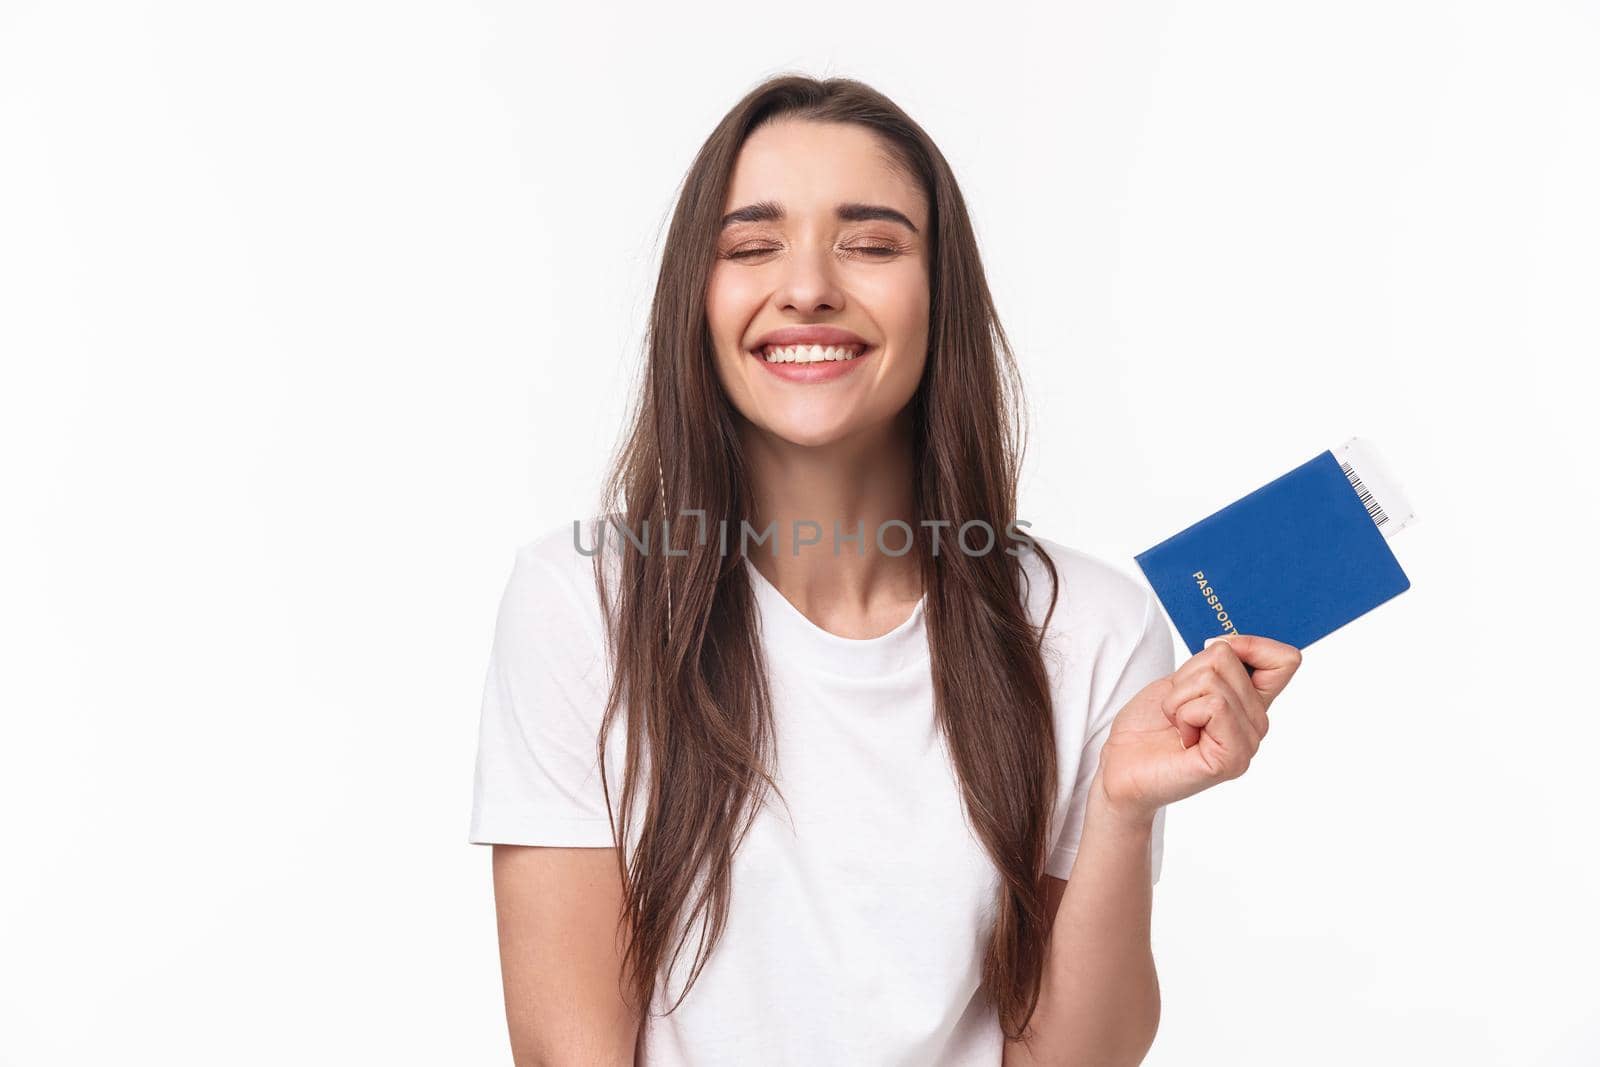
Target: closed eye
column 874, row 250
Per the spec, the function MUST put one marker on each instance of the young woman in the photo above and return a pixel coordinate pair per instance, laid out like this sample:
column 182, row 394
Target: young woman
column 888, row 789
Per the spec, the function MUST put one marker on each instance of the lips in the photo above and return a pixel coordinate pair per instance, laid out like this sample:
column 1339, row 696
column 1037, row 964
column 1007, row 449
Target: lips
column 813, row 371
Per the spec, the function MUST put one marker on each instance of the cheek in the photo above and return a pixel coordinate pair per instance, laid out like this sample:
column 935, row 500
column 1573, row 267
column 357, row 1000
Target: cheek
column 722, row 315
column 901, row 380
column 902, row 306
column 732, row 297
column 898, row 297
column 729, row 311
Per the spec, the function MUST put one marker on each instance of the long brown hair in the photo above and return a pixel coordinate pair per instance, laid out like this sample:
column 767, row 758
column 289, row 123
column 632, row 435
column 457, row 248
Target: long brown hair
column 699, row 711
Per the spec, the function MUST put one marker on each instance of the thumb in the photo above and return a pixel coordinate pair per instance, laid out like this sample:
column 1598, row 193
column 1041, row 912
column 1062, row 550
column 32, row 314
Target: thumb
column 1271, row 663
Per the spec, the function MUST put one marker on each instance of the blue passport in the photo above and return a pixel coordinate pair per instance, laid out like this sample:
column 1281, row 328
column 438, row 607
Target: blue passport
column 1294, row 560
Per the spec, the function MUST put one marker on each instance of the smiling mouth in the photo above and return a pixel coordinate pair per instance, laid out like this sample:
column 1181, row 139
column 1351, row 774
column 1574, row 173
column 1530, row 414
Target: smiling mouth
column 810, row 353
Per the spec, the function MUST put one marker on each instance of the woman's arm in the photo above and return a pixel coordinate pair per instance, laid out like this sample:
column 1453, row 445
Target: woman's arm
column 1099, row 1002
column 561, row 956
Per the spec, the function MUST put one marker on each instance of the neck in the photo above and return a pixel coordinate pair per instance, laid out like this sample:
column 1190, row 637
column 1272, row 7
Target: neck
column 801, row 492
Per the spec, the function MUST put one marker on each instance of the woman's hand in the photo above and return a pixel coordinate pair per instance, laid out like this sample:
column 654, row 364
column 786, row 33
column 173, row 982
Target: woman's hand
column 1194, row 728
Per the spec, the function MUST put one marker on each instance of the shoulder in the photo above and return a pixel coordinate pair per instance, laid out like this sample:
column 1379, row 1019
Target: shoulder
column 564, row 552
column 1092, row 589
column 1104, row 613
column 552, row 593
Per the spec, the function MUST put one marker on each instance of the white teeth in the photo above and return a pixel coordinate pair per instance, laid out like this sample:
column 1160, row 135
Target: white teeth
column 809, row 354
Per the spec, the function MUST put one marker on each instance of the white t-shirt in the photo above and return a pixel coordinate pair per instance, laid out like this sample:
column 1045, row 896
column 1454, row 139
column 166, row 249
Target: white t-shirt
column 856, row 931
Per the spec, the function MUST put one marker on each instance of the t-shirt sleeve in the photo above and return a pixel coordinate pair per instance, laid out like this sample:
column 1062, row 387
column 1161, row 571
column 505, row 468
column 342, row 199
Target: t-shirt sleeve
column 1151, row 657
column 537, row 775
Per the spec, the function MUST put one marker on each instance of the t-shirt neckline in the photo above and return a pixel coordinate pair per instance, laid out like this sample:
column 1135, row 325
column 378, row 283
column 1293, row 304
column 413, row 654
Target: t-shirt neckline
column 901, row 647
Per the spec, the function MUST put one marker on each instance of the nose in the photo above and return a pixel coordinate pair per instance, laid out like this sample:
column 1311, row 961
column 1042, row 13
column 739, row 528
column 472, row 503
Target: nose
column 810, row 282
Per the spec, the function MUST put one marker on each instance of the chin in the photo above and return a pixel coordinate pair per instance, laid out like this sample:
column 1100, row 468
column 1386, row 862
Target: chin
column 805, row 435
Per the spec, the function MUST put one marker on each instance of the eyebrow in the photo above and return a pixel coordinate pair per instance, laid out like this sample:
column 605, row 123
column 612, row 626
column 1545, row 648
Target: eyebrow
column 772, row 211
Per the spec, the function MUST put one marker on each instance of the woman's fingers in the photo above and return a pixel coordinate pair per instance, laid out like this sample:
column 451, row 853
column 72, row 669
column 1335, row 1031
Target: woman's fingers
column 1203, row 673
column 1232, row 670
column 1212, row 692
column 1273, row 663
column 1201, row 708
column 1224, row 723
column 1219, row 707
column 1221, row 669
column 1187, row 734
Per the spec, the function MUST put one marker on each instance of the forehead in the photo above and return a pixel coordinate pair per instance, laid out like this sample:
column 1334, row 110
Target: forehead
column 808, row 167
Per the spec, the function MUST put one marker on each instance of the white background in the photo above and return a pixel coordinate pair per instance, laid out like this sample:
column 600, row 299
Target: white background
column 312, row 312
